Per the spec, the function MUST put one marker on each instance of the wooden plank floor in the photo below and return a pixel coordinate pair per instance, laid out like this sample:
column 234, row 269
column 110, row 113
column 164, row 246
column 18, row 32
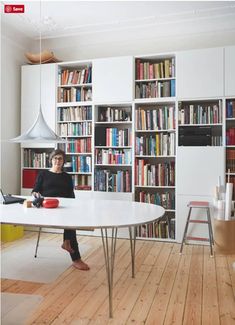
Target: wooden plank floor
column 169, row 288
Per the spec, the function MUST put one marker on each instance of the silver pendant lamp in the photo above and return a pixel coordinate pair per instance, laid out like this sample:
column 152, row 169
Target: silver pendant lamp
column 40, row 132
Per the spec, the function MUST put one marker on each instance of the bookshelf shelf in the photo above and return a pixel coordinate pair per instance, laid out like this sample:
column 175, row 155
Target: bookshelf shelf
column 39, row 168
column 79, row 103
column 113, row 165
column 74, row 121
column 202, row 124
column 114, row 147
column 155, row 100
column 80, row 173
column 149, row 186
column 75, row 85
column 78, row 153
column 114, row 123
column 153, row 80
column 155, row 131
column 77, row 136
column 146, row 156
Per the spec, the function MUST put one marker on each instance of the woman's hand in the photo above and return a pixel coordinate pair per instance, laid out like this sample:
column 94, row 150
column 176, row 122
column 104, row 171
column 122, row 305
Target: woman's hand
column 36, row 194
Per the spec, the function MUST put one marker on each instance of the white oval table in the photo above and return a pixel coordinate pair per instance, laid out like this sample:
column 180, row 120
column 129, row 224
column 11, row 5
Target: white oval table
column 90, row 214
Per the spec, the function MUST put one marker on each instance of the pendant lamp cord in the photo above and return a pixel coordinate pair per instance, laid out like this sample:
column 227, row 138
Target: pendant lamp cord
column 40, row 49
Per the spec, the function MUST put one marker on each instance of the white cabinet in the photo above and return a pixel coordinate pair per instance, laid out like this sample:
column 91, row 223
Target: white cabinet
column 200, row 73
column 113, row 80
column 229, row 55
column 198, row 169
column 30, row 95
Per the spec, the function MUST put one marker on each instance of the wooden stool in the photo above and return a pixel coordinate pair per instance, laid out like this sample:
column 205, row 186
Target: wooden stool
column 198, row 205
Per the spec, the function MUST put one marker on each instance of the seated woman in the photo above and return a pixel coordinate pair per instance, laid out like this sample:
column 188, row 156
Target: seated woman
column 56, row 183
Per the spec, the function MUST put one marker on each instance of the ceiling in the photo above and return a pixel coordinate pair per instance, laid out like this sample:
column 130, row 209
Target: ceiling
column 70, row 18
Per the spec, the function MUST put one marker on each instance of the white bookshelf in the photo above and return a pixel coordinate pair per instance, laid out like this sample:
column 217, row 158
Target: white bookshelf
column 201, row 76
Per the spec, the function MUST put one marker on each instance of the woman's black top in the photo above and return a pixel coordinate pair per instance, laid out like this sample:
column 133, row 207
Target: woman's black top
column 50, row 184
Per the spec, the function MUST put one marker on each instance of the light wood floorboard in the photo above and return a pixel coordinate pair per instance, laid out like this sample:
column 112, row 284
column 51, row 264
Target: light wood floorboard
column 169, row 288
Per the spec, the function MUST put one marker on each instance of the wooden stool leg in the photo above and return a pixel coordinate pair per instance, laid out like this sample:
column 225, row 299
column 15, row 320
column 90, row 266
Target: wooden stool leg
column 185, row 230
column 210, row 230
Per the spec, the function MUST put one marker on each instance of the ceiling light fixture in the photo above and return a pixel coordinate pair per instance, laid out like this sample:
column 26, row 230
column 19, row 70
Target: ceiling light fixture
column 40, row 132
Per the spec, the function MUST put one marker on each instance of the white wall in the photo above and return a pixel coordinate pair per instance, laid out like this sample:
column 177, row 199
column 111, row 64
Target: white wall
column 108, row 44
column 12, row 57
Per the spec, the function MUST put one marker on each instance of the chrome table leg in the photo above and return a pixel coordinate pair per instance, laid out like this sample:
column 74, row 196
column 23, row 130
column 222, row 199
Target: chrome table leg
column 132, row 233
column 36, row 250
column 109, row 256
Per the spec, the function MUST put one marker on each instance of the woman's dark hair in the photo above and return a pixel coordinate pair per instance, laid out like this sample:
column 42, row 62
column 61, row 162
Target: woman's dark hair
column 55, row 153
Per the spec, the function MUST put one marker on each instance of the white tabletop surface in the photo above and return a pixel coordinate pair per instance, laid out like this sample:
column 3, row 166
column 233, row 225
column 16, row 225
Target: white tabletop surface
column 75, row 213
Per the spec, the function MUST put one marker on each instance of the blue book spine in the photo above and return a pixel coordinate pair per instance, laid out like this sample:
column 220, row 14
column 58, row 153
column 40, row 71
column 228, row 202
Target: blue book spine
column 73, row 164
column 78, row 95
column 229, row 110
column 173, row 88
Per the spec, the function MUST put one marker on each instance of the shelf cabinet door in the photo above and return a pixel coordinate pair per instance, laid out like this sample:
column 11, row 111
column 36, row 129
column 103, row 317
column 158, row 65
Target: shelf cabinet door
column 198, row 169
column 113, row 80
column 200, row 73
column 230, row 71
column 30, row 94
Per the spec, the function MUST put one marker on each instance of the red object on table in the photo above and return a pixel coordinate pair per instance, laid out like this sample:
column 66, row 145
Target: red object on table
column 50, row 203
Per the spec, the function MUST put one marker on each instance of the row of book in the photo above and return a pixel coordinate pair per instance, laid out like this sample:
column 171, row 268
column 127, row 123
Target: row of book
column 230, row 136
column 230, row 160
column 114, row 114
column 73, row 94
column 81, row 164
column 109, row 181
column 165, row 199
column 216, row 140
column 74, row 113
column 161, row 144
column 75, row 129
column 161, row 229
column 155, row 118
column 161, row 174
column 155, row 69
column 79, row 146
column 230, row 109
column 82, row 182
column 113, row 156
column 35, row 159
column 155, row 89
column 200, row 114
column 73, row 77
column 113, row 137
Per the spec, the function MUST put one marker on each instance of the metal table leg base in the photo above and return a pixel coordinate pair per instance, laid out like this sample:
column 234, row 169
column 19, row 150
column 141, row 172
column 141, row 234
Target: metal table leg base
column 109, row 256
